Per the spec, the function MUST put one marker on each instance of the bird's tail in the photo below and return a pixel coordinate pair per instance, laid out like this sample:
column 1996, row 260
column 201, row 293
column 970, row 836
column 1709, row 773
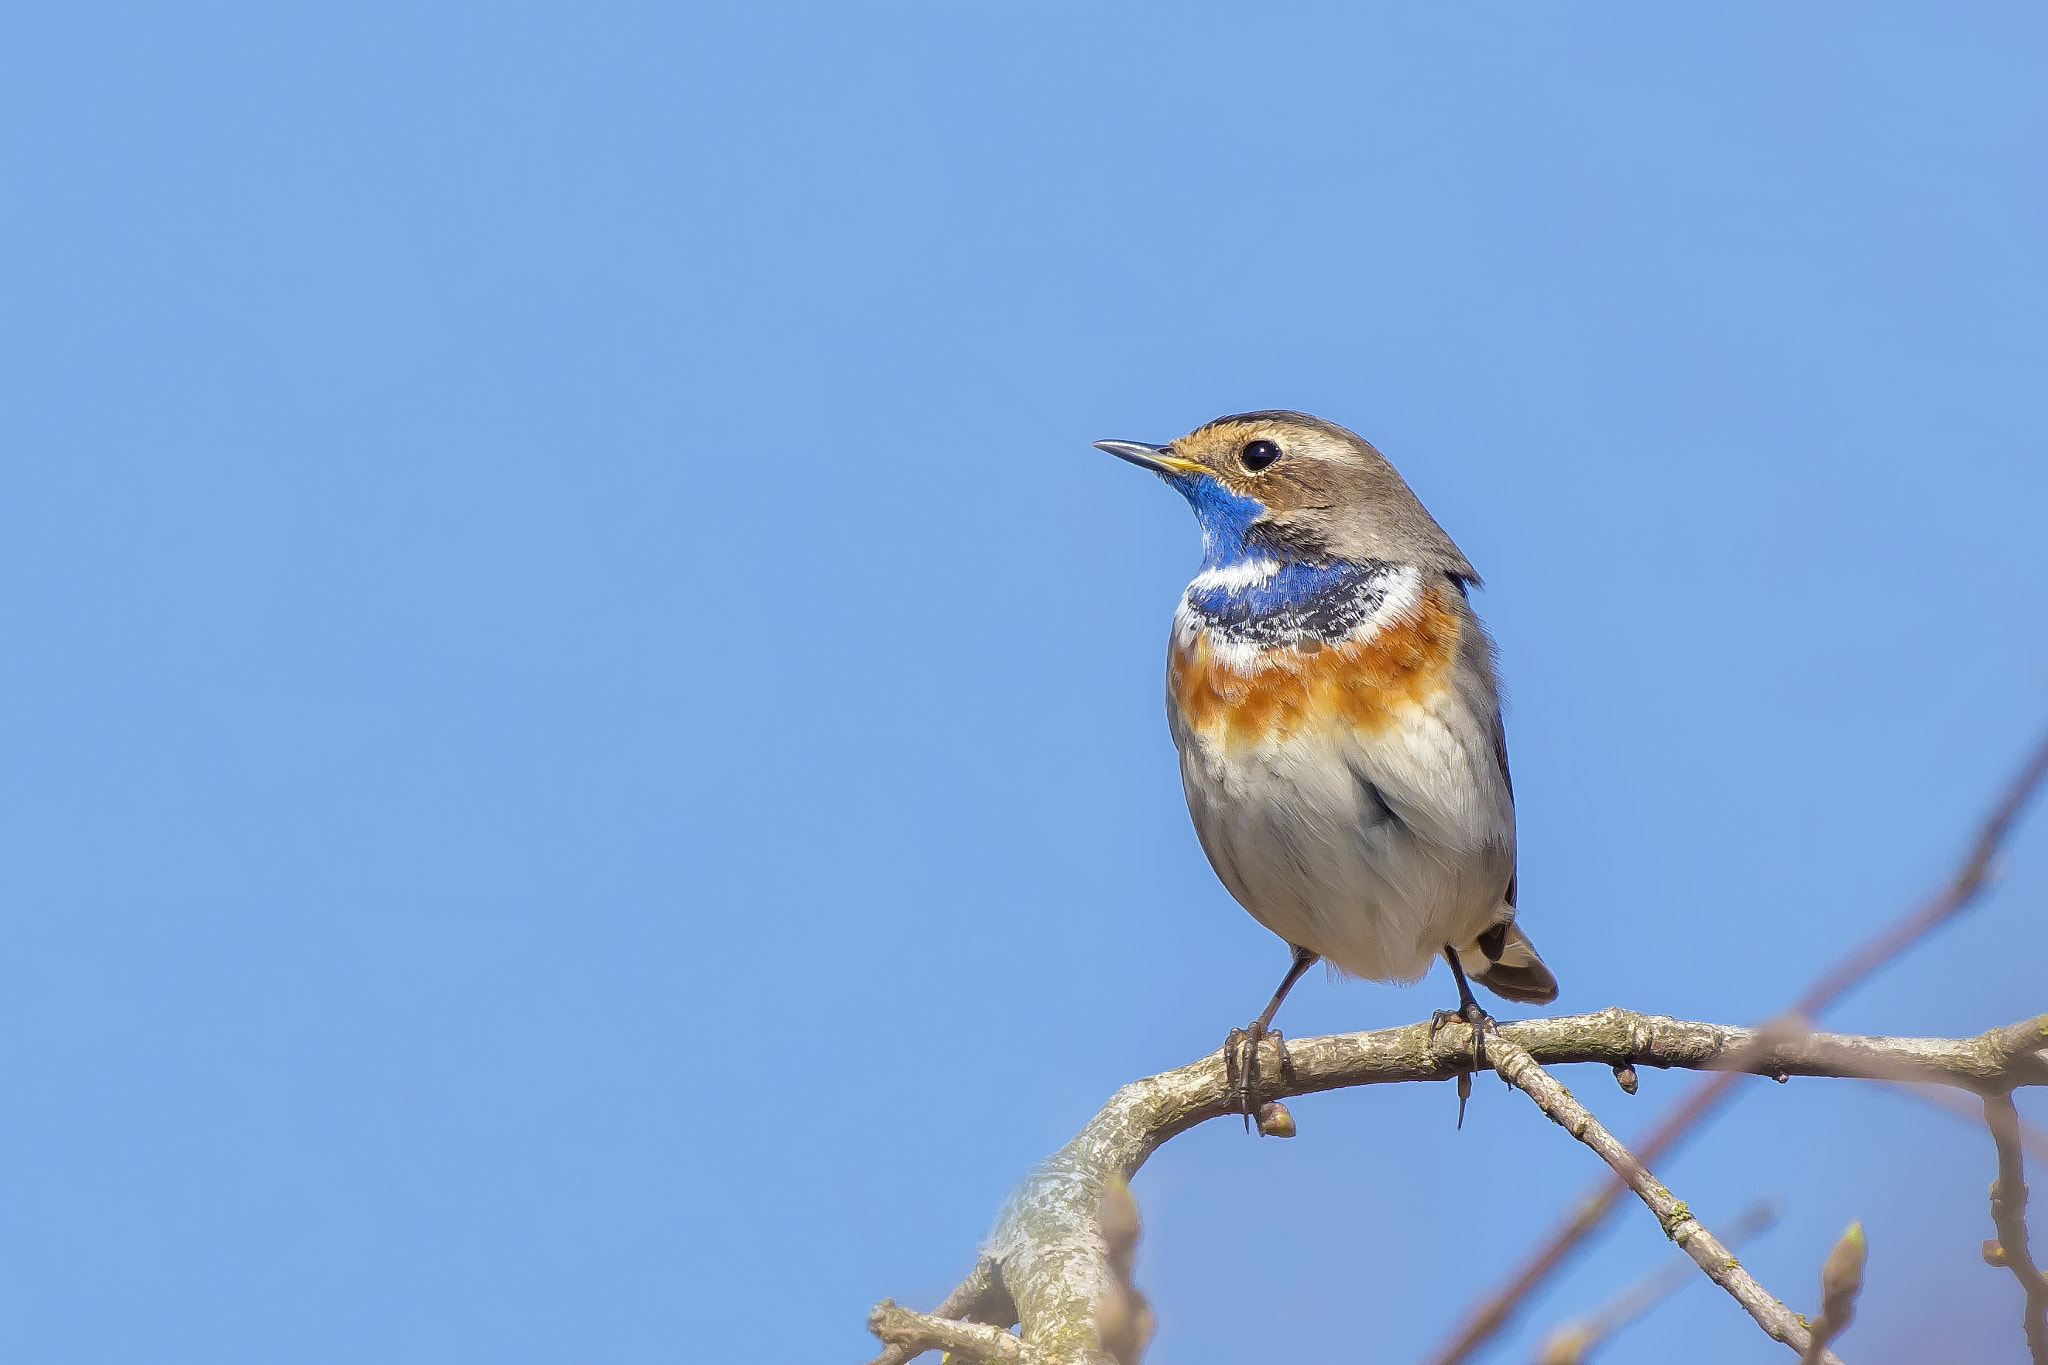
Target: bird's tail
column 1504, row 961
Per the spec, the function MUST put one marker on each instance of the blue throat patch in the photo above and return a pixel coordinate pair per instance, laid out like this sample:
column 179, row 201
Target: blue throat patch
column 1226, row 518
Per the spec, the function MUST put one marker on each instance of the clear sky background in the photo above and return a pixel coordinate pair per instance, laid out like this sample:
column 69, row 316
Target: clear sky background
column 581, row 761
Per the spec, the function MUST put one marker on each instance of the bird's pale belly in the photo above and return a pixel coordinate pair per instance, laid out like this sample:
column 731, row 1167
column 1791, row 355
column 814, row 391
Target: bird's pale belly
column 1345, row 793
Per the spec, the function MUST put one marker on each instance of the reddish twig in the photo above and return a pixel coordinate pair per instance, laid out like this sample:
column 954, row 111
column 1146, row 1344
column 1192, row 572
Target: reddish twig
column 1574, row 1342
column 2033, row 1140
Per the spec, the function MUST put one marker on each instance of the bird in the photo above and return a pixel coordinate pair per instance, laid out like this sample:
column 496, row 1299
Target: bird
column 1333, row 698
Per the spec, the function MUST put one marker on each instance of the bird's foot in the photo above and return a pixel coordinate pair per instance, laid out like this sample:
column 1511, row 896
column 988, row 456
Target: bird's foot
column 1241, row 1064
column 1469, row 1013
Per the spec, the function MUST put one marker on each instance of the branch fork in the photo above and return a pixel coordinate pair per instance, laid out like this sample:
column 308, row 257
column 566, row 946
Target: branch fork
column 1049, row 1267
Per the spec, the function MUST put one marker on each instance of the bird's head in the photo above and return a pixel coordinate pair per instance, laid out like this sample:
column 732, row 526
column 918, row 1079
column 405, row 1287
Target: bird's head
column 1297, row 489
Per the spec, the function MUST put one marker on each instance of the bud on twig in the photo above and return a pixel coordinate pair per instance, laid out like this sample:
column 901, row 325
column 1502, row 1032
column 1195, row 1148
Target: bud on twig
column 1275, row 1120
column 1841, row 1280
column 1625, row 1077
column 1121, row 1317
column 1994, row 1252
column 1116, row 1217
column 1567, row 1343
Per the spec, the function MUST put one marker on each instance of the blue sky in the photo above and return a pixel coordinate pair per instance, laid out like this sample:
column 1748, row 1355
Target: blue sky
column 581, row 768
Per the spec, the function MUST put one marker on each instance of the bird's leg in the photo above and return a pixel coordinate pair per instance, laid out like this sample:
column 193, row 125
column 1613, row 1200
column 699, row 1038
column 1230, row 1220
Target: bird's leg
column 1241, row 1048
column 1469, row 1011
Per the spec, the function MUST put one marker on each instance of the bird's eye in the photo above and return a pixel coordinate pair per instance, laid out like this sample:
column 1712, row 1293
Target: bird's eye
column 1257, row 455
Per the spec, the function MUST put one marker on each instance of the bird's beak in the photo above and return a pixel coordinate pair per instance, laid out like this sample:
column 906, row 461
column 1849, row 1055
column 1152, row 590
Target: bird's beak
column 1153, row 458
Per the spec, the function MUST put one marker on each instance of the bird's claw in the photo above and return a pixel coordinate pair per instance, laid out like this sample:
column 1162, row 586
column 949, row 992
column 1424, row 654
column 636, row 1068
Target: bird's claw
column 1479, row 1021
column 1241, row 1064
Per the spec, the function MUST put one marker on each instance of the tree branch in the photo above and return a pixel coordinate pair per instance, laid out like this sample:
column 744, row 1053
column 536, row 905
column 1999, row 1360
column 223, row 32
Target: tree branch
column 915, row 1333
column 2009, row 1216
column 1520, row 1070
column 1048, row 1264
column 978, row 1298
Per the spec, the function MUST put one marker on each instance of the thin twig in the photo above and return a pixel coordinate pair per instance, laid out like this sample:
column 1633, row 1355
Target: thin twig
column 1520, row 1070
column 2009, row 1216
column 1487, row 1318
column 1573, row 1342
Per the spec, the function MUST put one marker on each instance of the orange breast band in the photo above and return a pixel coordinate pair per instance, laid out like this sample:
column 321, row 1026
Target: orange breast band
column 1364, row 684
